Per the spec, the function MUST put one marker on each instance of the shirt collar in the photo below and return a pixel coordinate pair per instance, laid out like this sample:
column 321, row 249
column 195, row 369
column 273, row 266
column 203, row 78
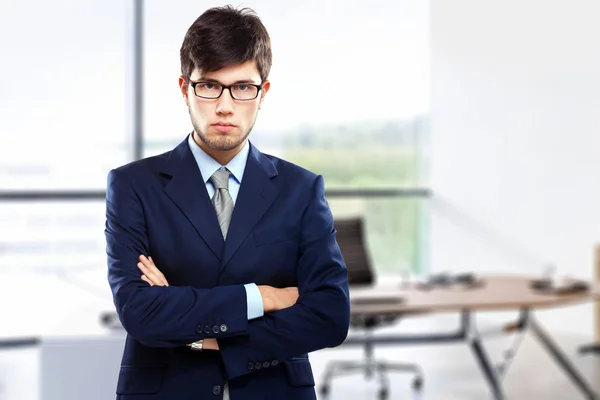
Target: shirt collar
column 208, row 165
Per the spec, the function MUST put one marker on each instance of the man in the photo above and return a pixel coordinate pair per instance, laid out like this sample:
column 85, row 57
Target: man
column 223, row 261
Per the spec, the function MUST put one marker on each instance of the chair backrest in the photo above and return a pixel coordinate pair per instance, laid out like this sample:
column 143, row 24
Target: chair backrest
column 351, row 239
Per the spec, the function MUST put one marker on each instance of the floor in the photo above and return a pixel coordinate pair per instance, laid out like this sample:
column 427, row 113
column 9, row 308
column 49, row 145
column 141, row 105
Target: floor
column 451, row 371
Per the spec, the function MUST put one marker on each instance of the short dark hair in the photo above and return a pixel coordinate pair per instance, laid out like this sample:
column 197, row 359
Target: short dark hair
column 224, row 36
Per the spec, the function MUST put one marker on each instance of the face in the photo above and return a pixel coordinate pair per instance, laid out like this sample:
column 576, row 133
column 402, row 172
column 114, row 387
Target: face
column 222, row 125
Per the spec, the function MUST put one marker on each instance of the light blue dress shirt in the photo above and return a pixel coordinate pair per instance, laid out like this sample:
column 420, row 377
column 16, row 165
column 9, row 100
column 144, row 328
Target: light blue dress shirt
column 208, row 166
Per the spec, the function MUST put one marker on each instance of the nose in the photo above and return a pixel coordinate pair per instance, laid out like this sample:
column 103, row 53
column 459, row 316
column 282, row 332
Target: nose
column 225, row 103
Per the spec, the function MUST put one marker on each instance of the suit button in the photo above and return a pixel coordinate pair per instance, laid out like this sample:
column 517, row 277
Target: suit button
column 216, row 329
column 266, row 364
column 257, row 365
column 224, row 328
column 207, row 329
column 200, row 329
column 250, row 366
column 274, row 363
column 217, row 390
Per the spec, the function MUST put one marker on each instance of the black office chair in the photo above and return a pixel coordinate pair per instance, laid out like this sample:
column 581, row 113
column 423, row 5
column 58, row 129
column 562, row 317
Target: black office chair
column 350, row 237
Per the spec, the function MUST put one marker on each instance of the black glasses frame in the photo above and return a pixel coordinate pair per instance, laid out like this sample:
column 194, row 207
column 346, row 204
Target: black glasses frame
column 223, row 87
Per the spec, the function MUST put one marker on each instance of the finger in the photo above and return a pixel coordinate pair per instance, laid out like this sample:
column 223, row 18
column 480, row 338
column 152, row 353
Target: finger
column 158, row 272
column 152, row 272
column 147, row 280
column 150, row 265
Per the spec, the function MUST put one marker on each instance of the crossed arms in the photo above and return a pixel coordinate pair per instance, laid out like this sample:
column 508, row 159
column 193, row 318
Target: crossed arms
column 171, row 316
column 273, row 299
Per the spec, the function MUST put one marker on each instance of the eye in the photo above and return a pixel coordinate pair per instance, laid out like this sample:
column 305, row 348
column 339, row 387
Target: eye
column 242, row 87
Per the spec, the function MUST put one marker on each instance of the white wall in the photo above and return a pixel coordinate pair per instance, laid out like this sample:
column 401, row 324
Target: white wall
column 516, row 139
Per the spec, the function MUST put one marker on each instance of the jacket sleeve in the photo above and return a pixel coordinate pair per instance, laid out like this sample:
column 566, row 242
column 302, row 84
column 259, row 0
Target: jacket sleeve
column 321, row 316
column 160, row 316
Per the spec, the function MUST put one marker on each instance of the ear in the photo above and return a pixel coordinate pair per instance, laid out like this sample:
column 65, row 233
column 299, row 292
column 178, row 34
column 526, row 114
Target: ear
column 183, row 86
column 263, row 92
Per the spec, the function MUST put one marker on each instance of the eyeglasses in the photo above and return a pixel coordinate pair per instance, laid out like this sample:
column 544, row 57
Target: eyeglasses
column 238, row 91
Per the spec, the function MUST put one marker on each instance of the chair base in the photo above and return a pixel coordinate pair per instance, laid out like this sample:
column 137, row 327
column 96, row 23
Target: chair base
column 369, row 368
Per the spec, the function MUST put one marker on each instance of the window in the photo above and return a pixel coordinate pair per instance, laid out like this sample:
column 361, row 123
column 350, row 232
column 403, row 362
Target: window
column 349, row 101
column 62, row 92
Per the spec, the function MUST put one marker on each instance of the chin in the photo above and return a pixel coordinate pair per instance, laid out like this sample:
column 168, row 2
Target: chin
column 224, row 142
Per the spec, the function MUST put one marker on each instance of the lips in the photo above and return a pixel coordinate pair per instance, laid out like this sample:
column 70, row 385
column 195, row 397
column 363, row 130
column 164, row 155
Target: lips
column 223, row 127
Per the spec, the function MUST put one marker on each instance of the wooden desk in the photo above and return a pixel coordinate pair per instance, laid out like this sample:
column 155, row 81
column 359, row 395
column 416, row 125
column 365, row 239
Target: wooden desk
column 498, row 293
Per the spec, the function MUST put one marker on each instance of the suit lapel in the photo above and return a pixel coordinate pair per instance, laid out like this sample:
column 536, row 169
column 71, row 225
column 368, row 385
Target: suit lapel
column 256, row 195
column 186, row 188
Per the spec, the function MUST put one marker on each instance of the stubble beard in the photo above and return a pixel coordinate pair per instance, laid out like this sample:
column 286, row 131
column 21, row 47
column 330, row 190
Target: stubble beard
column 221, row 143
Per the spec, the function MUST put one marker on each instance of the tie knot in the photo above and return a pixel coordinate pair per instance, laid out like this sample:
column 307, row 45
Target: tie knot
column 220, row 179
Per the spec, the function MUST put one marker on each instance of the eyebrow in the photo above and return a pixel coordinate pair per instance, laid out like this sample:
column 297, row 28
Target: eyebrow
column 242, row 81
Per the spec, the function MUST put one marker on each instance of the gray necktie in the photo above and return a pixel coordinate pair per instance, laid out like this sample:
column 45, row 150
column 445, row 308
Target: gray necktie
column 224, row 207
column 222, row 199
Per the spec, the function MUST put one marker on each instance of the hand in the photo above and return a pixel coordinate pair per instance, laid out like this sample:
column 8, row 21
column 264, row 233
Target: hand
column 209, row 344
column 151, row 273
column 153, row 276
column 275, row 299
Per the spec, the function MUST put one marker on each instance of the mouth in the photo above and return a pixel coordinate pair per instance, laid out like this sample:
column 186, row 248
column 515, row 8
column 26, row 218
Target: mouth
column 224, row 127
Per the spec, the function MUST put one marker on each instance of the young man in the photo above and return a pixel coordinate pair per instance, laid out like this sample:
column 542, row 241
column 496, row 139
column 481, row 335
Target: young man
column 223, row 261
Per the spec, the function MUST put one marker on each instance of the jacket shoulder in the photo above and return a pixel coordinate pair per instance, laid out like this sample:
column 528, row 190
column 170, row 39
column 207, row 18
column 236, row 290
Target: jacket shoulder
column 145, row 165
column 289, row 170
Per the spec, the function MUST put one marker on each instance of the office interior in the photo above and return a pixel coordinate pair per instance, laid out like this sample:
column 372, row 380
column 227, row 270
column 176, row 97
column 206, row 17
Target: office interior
column 459, row 137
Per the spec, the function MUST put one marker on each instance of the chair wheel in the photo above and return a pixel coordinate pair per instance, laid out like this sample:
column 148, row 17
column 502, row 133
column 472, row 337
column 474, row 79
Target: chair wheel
column 418, row 383
column 383, row 394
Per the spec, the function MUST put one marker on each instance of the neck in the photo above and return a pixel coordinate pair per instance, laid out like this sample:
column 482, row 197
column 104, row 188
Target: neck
column 221, row 156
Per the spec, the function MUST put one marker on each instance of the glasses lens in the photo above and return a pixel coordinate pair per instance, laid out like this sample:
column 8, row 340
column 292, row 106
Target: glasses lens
column 209, row 90
column 244, row 92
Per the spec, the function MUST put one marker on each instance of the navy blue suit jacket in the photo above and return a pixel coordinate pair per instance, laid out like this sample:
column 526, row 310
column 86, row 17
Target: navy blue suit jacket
column 281, row 234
